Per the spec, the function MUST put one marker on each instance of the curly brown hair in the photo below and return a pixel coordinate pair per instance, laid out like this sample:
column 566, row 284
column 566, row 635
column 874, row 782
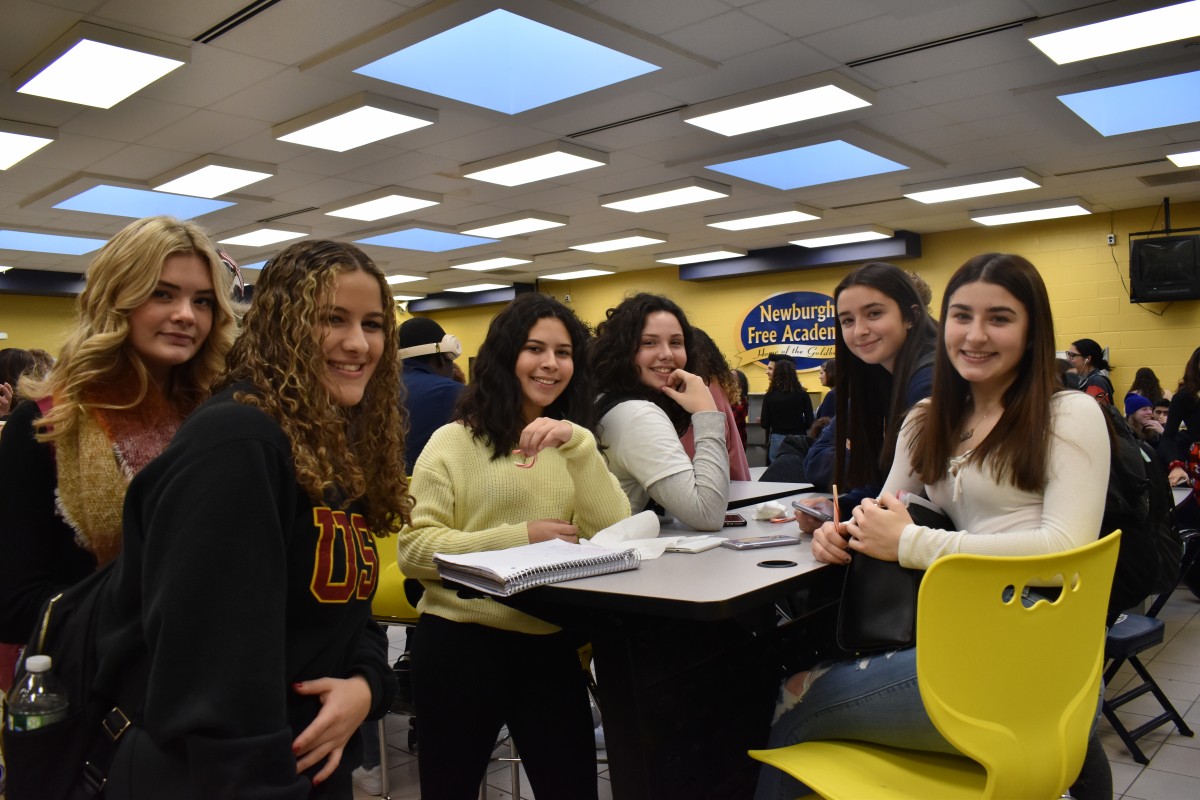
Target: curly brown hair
column 352, row 451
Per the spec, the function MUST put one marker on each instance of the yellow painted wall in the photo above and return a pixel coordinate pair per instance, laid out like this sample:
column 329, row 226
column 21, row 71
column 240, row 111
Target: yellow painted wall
column 1087, row 281
column 35, row 321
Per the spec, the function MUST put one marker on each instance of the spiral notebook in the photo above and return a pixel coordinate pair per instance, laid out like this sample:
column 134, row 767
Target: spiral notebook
column 506, row 572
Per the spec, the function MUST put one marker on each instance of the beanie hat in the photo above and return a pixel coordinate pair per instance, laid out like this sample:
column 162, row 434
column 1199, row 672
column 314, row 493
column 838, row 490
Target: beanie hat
column 1134, row 402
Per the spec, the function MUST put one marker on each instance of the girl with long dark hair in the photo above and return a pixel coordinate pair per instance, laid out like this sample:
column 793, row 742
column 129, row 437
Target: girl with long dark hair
column 1020, row 467
column 529, row 404
column 1183, row 422
column 647, row 401
column 884, row 364
column 1146, row 383
column 786, row 409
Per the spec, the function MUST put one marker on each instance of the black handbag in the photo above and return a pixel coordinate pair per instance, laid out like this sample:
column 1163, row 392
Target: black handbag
column 878, row 610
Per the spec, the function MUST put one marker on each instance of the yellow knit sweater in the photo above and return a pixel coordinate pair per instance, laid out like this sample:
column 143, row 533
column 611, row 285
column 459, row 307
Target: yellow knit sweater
column 467, row 502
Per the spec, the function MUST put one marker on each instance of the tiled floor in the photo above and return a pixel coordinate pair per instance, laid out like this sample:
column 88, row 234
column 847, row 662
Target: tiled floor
column 1173, row 772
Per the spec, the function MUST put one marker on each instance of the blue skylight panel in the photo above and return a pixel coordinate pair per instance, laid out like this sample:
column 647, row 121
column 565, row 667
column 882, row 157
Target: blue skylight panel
column 425, row 240
column 122, row 201
column 48, row 243
column 808, row 166
column 1140, row 106
column 507, row 63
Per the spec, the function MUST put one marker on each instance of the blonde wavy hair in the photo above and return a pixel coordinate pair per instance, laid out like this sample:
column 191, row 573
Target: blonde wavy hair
column 350, row 452
column 120, row 278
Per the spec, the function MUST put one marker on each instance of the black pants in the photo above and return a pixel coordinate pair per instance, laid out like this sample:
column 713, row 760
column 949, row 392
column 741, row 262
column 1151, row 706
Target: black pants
column 469, row 680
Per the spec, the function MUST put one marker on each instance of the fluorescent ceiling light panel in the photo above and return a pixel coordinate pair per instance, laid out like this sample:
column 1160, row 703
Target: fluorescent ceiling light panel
column 763, row 218
column 577, row 274
column 383, row 203
column 507, row 63
column 424, row 239
column 860, row 233
column 621, row 241
column 1131, row 32
column 122, row 201
column 264, row 235
column 1029, row 212
column 4, row 269
column 514, row 224
column 96, row 66
column 353, row 122
column 972, row 186
column 666, row 195
column 484, row 263
column 404, row 298
column 781, row 104
column 535, row 164
column 1191, row 159
column 48, row 243
column 1140, row 106
column 19, row 140
column 392, row 280
column 700, row 254
column 809, row 166
column 212, row 176
column 480, row 287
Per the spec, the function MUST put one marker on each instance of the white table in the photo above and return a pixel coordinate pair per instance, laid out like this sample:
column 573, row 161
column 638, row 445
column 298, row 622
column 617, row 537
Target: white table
column 686, row 658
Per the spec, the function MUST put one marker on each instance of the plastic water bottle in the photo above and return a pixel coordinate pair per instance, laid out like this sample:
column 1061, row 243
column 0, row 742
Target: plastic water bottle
column 38, row 700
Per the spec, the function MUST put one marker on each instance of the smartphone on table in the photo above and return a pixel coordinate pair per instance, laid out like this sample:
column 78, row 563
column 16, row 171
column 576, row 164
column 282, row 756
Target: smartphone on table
column 812, row 512
column 734, row 521
column 755, row 542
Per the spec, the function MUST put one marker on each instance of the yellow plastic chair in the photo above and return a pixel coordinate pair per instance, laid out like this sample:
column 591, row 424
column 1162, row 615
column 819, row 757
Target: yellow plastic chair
column 1023, row 728
column 390, row 606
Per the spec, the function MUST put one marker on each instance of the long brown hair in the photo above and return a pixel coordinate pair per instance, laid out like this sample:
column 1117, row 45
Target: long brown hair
column 356, row 451
column 1016, row 449
column 871, row 403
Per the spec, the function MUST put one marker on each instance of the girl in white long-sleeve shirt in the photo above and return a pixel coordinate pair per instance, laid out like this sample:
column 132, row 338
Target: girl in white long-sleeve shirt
column 1020, row 467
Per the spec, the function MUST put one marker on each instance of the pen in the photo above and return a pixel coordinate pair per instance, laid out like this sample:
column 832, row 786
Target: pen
column 836, row 512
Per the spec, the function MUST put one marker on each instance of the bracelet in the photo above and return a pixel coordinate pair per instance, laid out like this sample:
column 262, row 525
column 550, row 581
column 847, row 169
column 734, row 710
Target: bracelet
column 1178, row 464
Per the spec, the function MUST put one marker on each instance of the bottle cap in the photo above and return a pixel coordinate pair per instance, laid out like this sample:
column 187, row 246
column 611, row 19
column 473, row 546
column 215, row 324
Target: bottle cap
column 37, row 663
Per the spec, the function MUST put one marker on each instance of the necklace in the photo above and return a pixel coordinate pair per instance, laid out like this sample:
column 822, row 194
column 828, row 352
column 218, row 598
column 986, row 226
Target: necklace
column 967, row 434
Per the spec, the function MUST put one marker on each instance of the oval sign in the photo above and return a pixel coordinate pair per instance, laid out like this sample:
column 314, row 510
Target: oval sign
column 798, row 324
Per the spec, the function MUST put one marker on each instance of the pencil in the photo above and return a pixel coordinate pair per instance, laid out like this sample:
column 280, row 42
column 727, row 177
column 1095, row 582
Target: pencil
column 836, row 514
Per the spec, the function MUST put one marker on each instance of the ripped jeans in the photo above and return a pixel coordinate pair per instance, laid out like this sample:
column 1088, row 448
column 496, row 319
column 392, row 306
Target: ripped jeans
column 870, row 699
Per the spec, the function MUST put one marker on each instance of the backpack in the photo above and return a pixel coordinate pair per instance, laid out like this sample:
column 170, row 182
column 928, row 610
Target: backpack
column 69, row 759
column 1140, row 503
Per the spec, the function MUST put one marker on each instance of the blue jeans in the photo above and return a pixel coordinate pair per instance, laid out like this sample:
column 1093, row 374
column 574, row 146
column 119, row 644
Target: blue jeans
column 871, row 699
column 773, row 444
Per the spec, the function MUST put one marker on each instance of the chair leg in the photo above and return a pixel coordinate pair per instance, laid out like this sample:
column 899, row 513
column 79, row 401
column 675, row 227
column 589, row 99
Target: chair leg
column 1169, row 714
column 383, row 762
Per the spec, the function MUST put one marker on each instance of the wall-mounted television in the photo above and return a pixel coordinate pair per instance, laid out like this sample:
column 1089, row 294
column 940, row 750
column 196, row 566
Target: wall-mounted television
column 1164, row 268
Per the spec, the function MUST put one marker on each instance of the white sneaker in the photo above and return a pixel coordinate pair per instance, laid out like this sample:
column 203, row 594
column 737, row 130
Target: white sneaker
column 369, row 780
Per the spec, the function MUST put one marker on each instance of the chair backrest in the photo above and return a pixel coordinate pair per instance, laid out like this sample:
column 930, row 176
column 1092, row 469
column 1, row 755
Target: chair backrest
column 390, row 603
column 1016, row 688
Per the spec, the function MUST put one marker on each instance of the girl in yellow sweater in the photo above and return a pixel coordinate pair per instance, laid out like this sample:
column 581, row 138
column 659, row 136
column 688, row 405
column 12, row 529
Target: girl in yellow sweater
column 529, row 400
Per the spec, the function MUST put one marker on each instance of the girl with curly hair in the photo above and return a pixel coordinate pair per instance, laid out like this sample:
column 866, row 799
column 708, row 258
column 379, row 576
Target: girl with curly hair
column 648, row 401
column 519, row 465
column 153, row 325
column 252, row 541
